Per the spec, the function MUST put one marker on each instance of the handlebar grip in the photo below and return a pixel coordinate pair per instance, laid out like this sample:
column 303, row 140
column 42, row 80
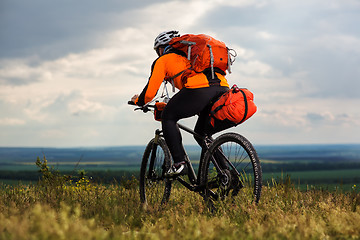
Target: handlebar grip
column 131, row 103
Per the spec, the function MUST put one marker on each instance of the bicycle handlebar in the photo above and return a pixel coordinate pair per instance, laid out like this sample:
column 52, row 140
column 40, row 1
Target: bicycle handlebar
column 145, row 108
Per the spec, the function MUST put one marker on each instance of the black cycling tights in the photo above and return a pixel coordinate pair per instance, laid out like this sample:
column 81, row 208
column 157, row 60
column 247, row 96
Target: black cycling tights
column 187, row 103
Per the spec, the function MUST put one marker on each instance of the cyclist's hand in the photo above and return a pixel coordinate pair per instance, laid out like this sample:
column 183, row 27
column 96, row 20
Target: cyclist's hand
column 133, row 99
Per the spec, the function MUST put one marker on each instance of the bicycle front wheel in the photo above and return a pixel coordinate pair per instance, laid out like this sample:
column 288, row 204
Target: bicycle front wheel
column 231, row 165
column 154, row 187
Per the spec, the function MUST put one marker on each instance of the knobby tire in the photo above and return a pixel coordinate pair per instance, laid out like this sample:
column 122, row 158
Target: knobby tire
column 154, row 188
column 240, row 167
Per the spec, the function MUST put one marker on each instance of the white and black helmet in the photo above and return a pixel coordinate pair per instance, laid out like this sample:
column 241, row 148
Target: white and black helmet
column 164, row 38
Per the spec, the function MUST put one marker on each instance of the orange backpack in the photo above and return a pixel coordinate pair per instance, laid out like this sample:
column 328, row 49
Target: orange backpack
column 203, row 52
column 232, row 108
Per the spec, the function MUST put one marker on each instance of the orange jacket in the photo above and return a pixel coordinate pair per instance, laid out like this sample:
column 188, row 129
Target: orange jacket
column 168, row 65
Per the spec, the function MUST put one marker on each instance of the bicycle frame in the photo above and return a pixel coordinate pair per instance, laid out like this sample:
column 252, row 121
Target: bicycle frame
column 191, row 172
column 194, row 178
column 214, row 157
column 194, row 183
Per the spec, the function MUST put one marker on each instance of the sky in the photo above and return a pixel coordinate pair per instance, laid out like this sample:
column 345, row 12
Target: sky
column 68, row 68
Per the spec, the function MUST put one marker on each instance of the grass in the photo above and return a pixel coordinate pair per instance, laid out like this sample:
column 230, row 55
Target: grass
column 331, row 180
column 59, row 207
column 83, row 210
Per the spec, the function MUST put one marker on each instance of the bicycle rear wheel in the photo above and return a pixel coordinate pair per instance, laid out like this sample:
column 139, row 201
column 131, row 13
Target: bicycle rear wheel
column 231, row 165
column 154, row 187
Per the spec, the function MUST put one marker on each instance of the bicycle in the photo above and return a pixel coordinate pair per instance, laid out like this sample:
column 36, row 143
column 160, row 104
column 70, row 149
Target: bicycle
column 229, row 165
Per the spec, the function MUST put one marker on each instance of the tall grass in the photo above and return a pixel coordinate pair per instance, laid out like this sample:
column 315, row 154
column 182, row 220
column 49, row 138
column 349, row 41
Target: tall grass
column 60, row 207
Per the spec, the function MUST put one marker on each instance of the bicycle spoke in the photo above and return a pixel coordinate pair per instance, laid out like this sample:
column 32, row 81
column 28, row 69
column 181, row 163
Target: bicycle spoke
column 241, row 171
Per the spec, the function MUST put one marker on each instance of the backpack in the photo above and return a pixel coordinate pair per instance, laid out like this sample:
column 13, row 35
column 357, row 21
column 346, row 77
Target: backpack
column 232, row 108
column 203, row 52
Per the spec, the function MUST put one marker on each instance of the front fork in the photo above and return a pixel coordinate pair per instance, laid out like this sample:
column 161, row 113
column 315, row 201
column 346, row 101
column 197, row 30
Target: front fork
column 153, row 156
column 157, row 135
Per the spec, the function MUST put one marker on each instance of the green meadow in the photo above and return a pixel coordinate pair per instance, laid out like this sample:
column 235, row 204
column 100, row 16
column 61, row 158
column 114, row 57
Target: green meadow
column 57, row 207
column 305, row 196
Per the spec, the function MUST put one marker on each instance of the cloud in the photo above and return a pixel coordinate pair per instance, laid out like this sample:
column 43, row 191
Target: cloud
column 11, row 121
column 67, row 69
column 328, row 118
column 54, row 29
column 293, row 37
column 73, row 108
column 255, row 68
column 19, row 72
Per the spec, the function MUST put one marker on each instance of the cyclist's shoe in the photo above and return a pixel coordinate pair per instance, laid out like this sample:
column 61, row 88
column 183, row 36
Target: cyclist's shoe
column 177, row 169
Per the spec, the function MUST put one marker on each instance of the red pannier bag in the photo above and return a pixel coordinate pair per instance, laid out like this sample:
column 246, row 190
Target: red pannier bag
column 232, row 108
column 159, row 107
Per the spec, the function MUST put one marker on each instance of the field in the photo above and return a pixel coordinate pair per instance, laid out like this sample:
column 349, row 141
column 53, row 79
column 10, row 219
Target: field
column 60, row 208
column 309, row 192
column 325, row 166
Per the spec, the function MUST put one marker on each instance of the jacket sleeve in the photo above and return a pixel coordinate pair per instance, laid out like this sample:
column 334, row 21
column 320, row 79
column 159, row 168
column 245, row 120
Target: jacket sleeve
column 158, row 73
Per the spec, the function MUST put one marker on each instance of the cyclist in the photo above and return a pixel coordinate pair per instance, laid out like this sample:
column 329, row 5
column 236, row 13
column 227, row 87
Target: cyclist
column 194, row 97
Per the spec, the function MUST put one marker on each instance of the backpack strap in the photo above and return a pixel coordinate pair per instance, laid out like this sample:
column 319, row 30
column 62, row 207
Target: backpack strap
column 171, row 79
column 246, row 106
column 213, row 112
column 176, row 75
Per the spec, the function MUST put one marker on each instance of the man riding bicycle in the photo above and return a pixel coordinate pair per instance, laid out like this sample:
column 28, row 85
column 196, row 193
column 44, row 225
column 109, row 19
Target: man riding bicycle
column 195, row 95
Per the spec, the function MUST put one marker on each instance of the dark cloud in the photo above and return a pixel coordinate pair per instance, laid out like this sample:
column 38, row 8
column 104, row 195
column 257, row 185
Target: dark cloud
column 332, row 74
column 17, row 81
column 329, row 119
column 315, row 117
column 56, row 28
column 318, row 39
